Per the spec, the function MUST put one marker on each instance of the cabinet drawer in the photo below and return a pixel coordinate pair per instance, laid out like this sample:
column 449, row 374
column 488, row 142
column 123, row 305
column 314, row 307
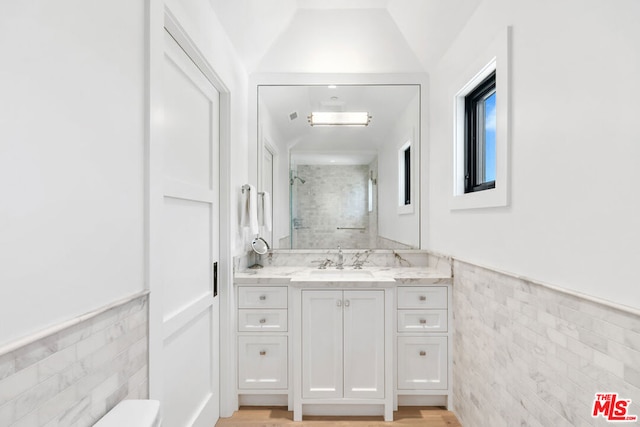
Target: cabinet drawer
column 422, row 363
column 262, row 297
column 422, row 297
column 262, row 362
column 422, row 320
column 262, row 320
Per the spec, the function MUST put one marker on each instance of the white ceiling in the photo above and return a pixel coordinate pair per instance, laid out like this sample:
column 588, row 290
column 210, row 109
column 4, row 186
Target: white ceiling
column 342, row 35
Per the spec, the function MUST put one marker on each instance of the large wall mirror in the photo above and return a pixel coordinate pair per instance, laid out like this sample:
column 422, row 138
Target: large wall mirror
column 335, row 184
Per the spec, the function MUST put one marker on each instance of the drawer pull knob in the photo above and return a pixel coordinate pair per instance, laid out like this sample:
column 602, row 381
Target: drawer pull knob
column 263, row 352
column 263, row 297
column 423, row 321
column 423, row 298
column 263, row 320
column 423, row 353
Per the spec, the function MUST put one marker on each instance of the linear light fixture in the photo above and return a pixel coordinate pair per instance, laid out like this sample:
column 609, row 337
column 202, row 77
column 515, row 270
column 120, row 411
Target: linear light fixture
column 341, row 118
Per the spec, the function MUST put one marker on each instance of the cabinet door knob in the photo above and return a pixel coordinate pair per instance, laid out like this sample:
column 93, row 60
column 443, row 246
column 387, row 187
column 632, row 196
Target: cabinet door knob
column 263, row 320
column 347, row 303
column 423, row 353
column 339, row 303
column 423, row 298
column 263, row 297
column 263, row 352
column 423, row 321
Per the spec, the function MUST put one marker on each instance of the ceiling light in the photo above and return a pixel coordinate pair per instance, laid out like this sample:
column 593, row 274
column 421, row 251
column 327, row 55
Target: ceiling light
column 332, row 86
column 342, row 118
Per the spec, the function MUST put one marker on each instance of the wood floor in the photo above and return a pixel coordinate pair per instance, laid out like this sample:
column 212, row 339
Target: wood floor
column 253, row 416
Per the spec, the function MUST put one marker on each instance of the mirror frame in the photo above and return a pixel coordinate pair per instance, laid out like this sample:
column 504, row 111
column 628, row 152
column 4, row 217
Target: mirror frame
column 286, row 79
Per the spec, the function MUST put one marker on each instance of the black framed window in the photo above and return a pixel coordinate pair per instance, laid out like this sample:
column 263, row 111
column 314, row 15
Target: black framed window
column 407, row 176
column 480, row 136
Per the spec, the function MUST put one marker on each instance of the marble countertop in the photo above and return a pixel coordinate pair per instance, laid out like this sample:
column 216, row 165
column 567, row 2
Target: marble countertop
column 301, row 276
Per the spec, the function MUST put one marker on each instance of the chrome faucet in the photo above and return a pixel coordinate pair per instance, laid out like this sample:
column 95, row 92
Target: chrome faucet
column 324, row 263
column 340, row 263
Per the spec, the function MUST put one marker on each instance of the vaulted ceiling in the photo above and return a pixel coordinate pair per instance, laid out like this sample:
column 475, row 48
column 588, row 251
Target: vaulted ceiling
column 342, row 36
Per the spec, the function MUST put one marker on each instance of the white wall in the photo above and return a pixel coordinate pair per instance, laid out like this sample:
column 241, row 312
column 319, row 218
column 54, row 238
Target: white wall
column 573, row 216
column 399, row 227
column 71, row 159
column 72, row 153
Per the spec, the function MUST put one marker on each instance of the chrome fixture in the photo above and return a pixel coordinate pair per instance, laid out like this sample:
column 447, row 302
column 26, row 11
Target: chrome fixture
column 340, row 263
column 323, row 264
column 292, row 180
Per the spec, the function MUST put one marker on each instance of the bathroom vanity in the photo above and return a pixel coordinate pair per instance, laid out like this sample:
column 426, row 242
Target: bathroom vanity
column 345, row 342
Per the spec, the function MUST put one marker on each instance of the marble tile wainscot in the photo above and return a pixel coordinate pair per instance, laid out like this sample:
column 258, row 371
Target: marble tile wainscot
column 529, row 354
column 72, row 374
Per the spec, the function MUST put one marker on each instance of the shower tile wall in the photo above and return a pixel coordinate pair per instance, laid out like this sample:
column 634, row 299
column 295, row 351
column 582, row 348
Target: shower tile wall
column 74, row 376
column 528, row 355
column 331, row 197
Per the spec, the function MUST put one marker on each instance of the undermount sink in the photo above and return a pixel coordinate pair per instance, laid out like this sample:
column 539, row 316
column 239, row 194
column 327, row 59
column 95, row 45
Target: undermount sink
column 335, row 275
column 364, row 274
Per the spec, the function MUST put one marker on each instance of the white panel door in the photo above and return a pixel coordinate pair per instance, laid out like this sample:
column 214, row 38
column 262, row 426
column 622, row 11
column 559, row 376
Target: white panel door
column 322, row 344
column 190, row 228
column 363, row 344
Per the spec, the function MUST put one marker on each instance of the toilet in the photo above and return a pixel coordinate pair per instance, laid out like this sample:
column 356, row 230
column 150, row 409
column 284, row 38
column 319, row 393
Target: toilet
column 132, row 413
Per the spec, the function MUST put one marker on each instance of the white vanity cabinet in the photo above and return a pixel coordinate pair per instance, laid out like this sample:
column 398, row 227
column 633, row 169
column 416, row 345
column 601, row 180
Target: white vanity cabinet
column 344, row 348
column 343, row 351
column 263, row 340
column 423, row 341
column 343, row 344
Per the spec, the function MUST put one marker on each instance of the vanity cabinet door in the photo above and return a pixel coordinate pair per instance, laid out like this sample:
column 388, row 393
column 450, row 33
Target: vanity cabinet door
column 262, row 362
column 322, row 344
column 422, row 363
column 364, row 344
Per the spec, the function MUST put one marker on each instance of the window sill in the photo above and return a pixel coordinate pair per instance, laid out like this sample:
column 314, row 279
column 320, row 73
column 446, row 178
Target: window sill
column 490, row 198
column 405, row 209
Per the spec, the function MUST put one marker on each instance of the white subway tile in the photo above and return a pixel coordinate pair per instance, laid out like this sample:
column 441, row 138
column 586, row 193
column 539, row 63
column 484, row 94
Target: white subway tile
column 632, row 339
column 57, row 362
column 32, row 398
column 74, row 412
column 608, row 363
column 7, row 365
column 51, row 409
column 91, row 344
column 29, row 420
column 560, row 351
column 7, row 413
column 14, row 385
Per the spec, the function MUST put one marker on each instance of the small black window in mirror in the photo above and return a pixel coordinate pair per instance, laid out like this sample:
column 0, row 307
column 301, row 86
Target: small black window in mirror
column 407, row 176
